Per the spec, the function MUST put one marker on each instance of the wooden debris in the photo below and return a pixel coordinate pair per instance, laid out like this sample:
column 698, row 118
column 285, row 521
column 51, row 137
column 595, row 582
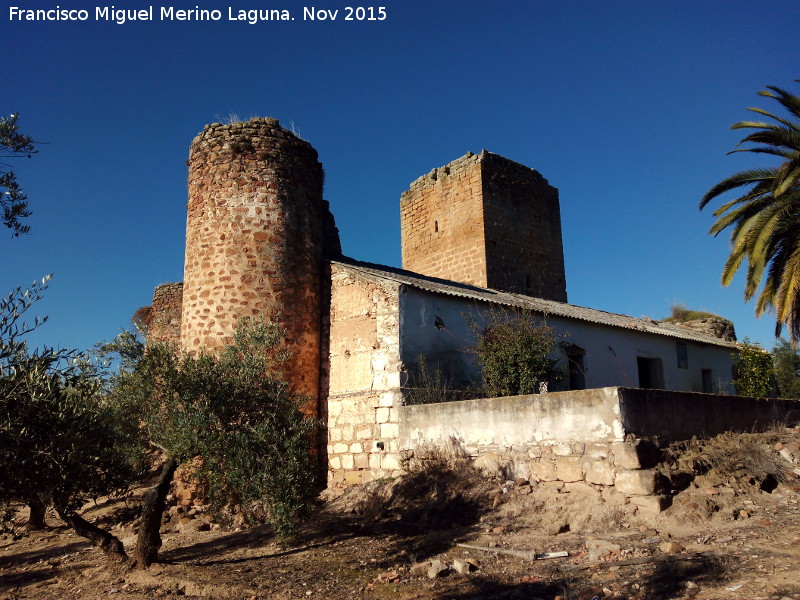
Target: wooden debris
column 526, row 554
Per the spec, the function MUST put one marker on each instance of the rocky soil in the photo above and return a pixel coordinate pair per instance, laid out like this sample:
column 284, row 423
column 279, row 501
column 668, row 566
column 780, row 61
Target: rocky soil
column 445, row 531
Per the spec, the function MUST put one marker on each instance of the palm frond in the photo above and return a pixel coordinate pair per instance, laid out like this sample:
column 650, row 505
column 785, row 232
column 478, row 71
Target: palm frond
column 765, row 218
column 774, row 136
column 789, row 101
column 774, row 150
column 737, row 180
column 788, row 178
column 761, row 111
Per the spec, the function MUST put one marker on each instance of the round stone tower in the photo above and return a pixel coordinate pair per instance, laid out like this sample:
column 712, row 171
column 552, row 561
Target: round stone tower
column 254, row 241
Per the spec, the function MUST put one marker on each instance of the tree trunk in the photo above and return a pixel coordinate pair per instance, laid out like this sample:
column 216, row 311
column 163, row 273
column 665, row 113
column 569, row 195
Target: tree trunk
column 113, row 548
column 149, row 540
column 36, row 520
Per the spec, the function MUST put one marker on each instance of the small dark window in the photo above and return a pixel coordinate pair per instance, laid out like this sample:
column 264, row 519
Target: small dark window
column 683, row 356
column 436, row 226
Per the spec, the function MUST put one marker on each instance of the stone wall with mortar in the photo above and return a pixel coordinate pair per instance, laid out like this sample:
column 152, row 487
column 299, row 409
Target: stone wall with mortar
column 255, row 235
column 487, row 221
column 599, row 440
column 441, row 223
column 361, row 379
column 165, row 314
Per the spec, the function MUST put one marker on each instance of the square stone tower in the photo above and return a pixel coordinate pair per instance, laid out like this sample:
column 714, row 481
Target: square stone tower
column 487, row 221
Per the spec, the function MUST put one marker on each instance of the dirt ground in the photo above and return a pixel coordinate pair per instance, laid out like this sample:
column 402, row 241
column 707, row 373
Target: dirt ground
column 730, row 534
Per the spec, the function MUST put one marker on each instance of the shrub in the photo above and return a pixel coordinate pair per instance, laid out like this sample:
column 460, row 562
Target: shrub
column 234, row 412
column 753, row 374
column 429, row 387
column 747, row 458
column 61, row 441
column 786, row 362
column 516, row 352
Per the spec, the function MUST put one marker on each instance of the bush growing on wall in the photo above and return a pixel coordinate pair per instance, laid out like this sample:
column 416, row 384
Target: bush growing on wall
column 786, row 361
column 516, row 353
column 753, row 371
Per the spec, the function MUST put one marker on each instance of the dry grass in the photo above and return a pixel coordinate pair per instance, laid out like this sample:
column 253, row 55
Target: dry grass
column 441, row 489
column 745, row 458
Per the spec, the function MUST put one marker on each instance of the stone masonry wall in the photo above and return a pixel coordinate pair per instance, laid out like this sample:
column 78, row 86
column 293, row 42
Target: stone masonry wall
column 441, row 223
column 488, row 221
column 165, row 314
column 596, row 441
column 361, row 379
column 255, row 232
column 523, row 230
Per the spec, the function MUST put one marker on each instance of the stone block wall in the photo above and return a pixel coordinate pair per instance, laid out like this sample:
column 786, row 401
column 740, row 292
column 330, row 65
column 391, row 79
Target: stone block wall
column 599, row 439
column 523, row 230
column 574, row 438
column 165, row 314
column 619, row 470
column 487, row 221
column 361, row 379
column 441, row 223
column 256, row 231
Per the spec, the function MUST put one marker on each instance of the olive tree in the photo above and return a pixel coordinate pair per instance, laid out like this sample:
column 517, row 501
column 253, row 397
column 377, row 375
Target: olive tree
column 62, row 441
column 232, row 410
column 13, row 202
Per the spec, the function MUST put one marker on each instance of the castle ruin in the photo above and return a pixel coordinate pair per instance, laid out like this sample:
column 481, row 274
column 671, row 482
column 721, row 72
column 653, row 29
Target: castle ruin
column 480, row 232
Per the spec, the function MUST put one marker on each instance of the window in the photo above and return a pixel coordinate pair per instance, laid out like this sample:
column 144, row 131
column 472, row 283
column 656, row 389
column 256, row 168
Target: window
column 683, row 356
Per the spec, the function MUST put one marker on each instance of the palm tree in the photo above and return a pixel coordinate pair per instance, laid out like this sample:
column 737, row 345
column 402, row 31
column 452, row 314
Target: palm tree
column 765, row 219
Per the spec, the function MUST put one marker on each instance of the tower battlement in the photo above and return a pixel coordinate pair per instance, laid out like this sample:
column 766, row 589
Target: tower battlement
column 488, row 221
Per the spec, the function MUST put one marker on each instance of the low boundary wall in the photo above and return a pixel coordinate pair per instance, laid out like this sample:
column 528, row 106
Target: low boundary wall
column 605, row 439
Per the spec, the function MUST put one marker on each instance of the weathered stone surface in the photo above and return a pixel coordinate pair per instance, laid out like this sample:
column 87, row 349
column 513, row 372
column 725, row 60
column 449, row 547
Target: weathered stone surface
column 456, row 223
column 491, row 465
column 716, row 326
column 437, row 569
column 562, row 450
column 420, row 569
column 543, row 470
column 639, row 454
column 602, row 549
column 613, row 497
column 638, row 483
column 568, row 468
column 462, row 566
column 164, row 318
column 670, row 547
column 600, row 472
column 580, row 487
column 650, row 504
column 255, row 237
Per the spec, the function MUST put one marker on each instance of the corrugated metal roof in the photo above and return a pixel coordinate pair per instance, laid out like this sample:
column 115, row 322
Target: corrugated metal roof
column 549, row 307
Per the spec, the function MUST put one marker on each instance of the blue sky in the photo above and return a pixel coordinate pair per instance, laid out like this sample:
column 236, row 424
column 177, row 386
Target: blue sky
column 624, row 106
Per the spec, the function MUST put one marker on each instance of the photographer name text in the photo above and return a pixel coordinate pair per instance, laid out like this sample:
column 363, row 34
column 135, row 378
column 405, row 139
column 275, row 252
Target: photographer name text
column 251, row 16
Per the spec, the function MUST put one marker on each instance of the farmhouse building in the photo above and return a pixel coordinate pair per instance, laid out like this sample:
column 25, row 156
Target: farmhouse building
column 478, row 234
